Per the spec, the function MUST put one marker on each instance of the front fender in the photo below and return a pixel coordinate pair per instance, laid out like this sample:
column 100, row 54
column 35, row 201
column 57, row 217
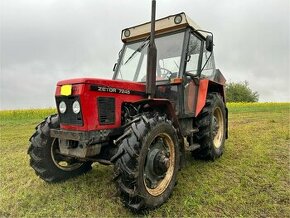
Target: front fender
column 161, row 105
column 165, row 106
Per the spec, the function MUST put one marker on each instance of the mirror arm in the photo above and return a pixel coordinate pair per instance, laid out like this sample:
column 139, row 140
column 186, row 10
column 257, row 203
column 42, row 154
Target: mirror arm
column 204, row 31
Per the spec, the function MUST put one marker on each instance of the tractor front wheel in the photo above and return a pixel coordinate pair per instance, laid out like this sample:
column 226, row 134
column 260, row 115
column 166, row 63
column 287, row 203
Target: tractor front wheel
column 45, row 158
column 147, row 162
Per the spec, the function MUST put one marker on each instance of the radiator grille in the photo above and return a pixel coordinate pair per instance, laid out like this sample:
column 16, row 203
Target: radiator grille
column 106, row 108
column 69, row 117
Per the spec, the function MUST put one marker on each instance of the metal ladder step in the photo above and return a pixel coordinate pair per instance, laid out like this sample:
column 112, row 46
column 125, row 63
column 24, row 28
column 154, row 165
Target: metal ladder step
column 194, row 146
column 192, row 131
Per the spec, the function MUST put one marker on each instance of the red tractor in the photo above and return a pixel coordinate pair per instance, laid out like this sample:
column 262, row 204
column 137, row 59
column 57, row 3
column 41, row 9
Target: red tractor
column 166, row 97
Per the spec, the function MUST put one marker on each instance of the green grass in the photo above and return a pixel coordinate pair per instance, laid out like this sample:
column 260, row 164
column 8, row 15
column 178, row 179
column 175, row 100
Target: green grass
column 251, row 179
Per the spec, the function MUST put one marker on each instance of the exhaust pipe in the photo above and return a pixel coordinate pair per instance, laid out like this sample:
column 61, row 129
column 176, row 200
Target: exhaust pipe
column 151, row 57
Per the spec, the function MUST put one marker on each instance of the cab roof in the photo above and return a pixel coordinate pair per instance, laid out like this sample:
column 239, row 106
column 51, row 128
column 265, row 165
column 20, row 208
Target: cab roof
column 163, row 25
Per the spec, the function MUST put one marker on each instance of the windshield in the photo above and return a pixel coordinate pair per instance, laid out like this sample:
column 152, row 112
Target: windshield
column 133, row 63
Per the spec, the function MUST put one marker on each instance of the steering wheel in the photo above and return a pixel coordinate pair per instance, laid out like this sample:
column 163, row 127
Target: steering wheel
column 167, row 74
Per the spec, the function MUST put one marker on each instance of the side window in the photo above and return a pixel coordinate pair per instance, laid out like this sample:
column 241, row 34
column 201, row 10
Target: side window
column 208, row 64
column 194, row 47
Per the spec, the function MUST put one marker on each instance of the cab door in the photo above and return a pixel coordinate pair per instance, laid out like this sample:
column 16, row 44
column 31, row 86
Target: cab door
column 191, row 74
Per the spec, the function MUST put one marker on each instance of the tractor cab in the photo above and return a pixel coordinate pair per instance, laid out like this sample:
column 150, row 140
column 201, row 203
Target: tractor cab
column 184, row 56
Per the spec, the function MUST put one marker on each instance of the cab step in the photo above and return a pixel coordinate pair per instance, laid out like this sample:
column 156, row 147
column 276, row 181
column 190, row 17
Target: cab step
column 192, row 131
column 193, row 147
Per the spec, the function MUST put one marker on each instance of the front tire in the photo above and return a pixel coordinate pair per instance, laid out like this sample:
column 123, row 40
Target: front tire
column 147, row 162
column 45, row 159
column 211, row 123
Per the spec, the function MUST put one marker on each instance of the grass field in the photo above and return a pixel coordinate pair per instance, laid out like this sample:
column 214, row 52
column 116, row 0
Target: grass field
column 251, row 179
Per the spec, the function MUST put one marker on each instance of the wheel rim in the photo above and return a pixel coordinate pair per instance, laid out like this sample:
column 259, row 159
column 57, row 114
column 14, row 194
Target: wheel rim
column 218, row 127
column 159, row 165
column 63, row 162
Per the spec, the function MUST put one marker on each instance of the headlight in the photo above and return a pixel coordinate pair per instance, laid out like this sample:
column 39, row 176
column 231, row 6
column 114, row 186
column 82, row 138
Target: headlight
column 177, row 19
column 127, row 33
column 76, row 107
column 62, row 107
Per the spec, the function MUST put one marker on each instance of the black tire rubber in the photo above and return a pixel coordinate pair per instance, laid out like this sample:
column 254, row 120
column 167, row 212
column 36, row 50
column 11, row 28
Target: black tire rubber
column 130, row 159
column 40, row 154
column 205, row 135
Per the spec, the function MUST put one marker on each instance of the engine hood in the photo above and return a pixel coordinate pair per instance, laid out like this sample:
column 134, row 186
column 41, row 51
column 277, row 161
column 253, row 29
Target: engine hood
column 100, row 101
column 105, row 83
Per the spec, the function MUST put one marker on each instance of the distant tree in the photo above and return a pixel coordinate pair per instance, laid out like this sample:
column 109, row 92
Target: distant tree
column 240, row 92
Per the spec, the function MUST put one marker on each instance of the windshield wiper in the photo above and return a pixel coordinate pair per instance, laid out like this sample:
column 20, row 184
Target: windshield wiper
column 140, row 48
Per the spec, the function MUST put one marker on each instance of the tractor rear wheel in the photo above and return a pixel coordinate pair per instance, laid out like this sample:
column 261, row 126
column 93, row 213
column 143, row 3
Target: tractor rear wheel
column 45, row 158
column 147, row 162
column 212, row 128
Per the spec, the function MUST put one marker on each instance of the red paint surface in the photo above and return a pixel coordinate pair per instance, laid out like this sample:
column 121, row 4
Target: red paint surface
column 88, row 100
column 206, row 86
column 202, row 93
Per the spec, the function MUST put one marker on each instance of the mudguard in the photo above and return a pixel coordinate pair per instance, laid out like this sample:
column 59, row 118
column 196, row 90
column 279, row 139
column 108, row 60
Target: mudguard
column 165, row 106
column 206, row 86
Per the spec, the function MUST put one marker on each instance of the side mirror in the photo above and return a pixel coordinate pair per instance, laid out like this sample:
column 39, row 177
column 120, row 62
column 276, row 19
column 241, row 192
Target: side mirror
column 209, row 43
column 119, row 55
column 115, row 66
column 120, row 52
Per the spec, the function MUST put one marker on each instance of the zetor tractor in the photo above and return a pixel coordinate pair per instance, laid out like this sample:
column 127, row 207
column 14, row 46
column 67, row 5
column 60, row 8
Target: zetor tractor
column 166, row 97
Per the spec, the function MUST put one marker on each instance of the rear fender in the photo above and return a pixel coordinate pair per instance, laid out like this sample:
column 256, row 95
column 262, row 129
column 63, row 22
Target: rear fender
column 206, row 86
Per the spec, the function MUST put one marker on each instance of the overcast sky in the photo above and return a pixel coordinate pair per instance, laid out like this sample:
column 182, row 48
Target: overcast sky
column 45, row 41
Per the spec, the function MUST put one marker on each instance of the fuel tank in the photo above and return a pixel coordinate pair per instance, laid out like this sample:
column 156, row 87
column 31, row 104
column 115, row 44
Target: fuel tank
column 100, row 102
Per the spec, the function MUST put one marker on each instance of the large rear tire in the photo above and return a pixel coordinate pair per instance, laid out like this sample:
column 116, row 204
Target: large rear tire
column 211, row 123
column 147, row 162
column 45, row 158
